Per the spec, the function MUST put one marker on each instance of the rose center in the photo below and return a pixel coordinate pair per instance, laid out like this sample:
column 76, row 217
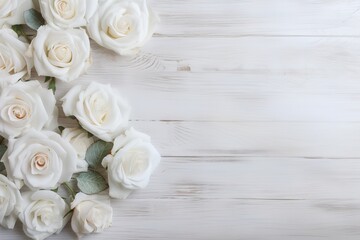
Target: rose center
column 19, row 111
column 135, row 162
column 64, row 8
column 121, row 27
column 60, row 55
column 40, row 161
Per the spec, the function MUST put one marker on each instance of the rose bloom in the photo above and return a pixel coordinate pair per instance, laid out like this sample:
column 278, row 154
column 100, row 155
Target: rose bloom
column 12, row 11
column 67, row 13
column 81, row 141
column 63, row 54
column 132, row 161
column 24, row 106
column 43, row 214
column 14, row 64
column 11, row 202
column 40, row 159
column 98, row 108
column 123, row 26
column 92, row 214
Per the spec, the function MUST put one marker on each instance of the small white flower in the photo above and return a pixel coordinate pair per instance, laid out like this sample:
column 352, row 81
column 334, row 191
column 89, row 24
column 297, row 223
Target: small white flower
column 24, row 106
column 123, row 26
column 12, row 11
column 92, row 214
column 40, row 159
column 14, row 64
column 131, row 163
column 63, row 54
column 99, row 109
column 11, row 202
column 67, row 13
column 43, row 214
column 81, row 141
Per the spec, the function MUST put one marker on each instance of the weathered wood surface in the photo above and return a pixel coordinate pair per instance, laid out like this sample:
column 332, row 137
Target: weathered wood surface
column 255, row 106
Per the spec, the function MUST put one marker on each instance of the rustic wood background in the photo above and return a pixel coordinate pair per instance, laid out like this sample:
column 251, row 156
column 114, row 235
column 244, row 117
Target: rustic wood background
column 255, row 107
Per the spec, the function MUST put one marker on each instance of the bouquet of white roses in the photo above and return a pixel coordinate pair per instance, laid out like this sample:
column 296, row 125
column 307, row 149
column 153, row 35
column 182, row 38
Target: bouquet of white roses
column 50, row 174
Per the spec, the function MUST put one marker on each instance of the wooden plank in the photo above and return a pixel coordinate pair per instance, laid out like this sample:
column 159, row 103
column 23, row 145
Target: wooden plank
column 262, row 17
column 280, row 139
column 237, row 96
column 285, row 197
column 253, row 178
column 305, row 55
column 265, row 139
column 230, row 219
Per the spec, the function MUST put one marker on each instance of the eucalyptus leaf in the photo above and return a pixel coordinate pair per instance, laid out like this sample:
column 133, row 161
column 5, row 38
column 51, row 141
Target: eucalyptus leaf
column 96, row 153
column 47, row 78
column 91, row 182
column 2, row 167
column 3, row 149
column 18, row 29
column 52, row 85
column 33, row 19
column 61, row 129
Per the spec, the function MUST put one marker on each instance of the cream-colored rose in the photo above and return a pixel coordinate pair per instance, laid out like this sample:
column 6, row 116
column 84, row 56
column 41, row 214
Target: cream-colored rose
column 99, row 109
column 43, row 214
column 67, row 13
column 123, row 26
column 24, row 106
column 63, row 54
column 40, row 159
column 12, row 11
column 11, row 202
column 132, row 161
column 81, row 141
column 92, row 214
column 14, row 64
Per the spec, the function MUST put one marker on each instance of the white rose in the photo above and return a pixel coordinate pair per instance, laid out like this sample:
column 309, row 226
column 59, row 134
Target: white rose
column 43, row 214
column 63, row 54
column 40, row 159
column 10, row 202
column 92, row 214
column 81, row 141
column 14, row 64
column 67, row 13
column 99, row 109
column 12, row 11
column 26, row 105
column 131, row 163
column 122, row 25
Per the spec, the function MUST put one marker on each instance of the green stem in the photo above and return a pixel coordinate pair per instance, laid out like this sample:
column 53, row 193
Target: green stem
column 69, row 188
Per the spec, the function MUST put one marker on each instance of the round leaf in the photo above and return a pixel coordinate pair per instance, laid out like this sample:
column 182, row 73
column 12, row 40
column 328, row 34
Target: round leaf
column 91, row 182
column 96, row 153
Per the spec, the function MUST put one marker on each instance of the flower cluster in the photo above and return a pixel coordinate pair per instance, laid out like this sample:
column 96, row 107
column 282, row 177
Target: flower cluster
column 49, row 174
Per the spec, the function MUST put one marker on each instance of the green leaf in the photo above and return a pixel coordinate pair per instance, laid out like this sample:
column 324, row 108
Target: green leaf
column 18, row 29
column 91, row 182
column 33, row 19
column 61, row 128
column 3, row 149
column 52, row 85
column 96, row 153
column 47, row 78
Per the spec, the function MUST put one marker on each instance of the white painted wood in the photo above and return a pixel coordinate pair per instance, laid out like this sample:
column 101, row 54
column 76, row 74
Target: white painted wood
column 255, row 107
column 213, row 18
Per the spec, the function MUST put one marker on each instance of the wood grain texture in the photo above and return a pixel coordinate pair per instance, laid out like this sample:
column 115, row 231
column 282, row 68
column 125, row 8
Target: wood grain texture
column 255, row 107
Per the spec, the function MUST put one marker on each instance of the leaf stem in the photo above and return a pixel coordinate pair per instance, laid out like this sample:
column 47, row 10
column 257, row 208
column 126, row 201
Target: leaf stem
column 69, row 188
